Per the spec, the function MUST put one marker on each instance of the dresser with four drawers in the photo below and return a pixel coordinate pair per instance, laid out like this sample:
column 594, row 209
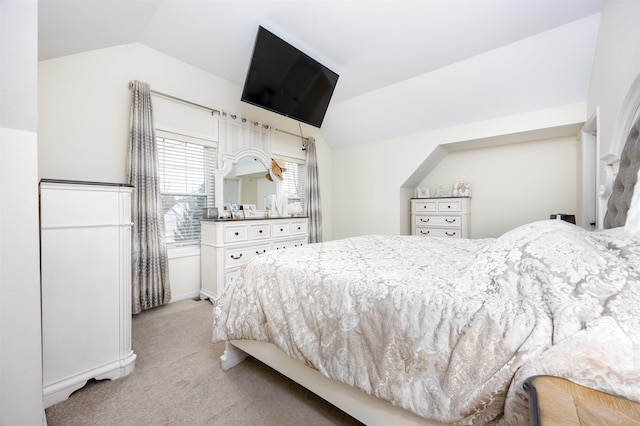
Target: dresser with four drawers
column 441, row 217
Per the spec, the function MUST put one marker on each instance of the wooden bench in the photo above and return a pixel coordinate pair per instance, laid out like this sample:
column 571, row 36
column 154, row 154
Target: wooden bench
column 557, row 401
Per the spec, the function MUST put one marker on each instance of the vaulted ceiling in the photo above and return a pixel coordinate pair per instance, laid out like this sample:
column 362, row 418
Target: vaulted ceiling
column 405, row 66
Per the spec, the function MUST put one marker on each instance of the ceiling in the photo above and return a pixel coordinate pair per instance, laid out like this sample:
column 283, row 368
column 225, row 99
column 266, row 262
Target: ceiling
column 405, row 66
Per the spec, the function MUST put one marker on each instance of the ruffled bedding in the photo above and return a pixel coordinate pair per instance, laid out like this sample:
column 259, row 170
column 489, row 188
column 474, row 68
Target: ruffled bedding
column 450, row 328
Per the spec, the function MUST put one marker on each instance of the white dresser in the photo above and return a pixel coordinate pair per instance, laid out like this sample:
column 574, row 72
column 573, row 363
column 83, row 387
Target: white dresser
column 226, row 245
column 441, row 217
column 85, row 248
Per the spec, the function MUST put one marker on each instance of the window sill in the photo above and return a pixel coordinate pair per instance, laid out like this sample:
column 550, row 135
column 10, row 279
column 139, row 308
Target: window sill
column 183, row 251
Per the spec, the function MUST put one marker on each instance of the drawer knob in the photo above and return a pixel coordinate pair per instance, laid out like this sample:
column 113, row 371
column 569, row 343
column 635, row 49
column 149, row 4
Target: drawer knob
column 424, row 221
column 237, row 233
column 450, row 220
column 260, row 231
column 281, row 229
column 449, row 206
column 236, row 257
column 450, row 234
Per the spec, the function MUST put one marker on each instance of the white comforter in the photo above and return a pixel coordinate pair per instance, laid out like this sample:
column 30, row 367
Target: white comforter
column 448, row 328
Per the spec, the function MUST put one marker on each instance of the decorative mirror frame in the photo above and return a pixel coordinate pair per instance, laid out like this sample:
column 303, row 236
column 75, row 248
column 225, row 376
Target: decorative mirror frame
column 227, row 161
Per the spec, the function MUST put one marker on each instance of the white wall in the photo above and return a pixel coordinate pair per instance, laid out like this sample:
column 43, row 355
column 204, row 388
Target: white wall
column 184, row 274
column 512, row 184
column 373, row 182
column 616, row 65
column 20, row 331
column 84, row 103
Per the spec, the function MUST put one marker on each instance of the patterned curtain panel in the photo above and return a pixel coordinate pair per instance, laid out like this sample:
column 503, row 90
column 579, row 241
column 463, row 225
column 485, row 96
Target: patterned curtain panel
column 312, row 193
column 150, row 272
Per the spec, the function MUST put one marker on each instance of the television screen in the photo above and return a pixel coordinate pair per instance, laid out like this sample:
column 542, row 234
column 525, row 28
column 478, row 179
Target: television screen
column 285, row 80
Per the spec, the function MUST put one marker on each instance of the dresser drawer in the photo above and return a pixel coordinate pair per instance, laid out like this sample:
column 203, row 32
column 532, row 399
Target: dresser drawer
column 279, row 229
column 240, row 256
column 425, row 206
column 257, row 232
column 236, row 233
column 281, row 245
column 298, row 228
column 439, row 232
column 449, row 206
column 452, row 221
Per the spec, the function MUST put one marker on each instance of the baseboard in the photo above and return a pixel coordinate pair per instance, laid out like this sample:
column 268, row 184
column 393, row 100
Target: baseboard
column 185, row 296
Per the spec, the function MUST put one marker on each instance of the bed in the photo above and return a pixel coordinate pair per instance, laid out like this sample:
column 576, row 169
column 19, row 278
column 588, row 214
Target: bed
column 414, row 330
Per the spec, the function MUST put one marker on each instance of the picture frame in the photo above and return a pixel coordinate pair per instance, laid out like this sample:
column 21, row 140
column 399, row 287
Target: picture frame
column 249, row 210
column 423, row 192
column 236, row 213
column 461, row 189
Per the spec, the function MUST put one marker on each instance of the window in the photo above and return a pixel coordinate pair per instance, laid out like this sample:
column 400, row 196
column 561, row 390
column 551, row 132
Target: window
column 293, row 181
column 187, row 185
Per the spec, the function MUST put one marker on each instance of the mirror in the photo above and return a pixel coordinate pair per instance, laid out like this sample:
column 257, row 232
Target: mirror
column 241, row 179
column 246, row 183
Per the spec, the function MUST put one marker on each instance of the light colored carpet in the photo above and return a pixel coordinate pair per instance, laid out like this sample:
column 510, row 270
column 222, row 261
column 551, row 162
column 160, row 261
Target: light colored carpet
column 177, row 380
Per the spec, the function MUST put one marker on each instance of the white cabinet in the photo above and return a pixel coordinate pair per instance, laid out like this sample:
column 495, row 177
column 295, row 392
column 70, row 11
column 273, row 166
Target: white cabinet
column 85, row 247
column 441, row 217
column 226, row 245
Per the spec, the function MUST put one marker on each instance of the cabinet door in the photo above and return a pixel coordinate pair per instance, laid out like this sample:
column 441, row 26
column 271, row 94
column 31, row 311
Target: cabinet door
column 80, row 300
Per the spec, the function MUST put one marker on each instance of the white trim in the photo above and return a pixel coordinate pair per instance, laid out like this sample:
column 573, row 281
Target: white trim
column 589, row 147
column 185, row 296
column 186, row 136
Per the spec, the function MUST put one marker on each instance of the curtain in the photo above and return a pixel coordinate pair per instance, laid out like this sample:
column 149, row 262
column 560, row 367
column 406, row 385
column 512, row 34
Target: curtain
column 150, row 276
column 236, row 134
column 312, row 193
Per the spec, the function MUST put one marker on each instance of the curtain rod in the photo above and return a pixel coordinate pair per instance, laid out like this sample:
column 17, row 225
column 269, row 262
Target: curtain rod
column 212, row 110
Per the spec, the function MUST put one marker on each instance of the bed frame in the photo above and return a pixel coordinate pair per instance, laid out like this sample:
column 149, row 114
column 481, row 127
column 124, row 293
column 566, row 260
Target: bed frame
column 371, row 410
column 363, row 407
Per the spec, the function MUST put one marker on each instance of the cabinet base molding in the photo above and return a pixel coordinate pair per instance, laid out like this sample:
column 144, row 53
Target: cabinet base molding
column 61, row 390
column 207, row 294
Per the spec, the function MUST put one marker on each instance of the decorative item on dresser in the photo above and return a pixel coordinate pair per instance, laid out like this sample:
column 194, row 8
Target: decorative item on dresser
column 226, row 245
column 441, row 217
column 85, row 247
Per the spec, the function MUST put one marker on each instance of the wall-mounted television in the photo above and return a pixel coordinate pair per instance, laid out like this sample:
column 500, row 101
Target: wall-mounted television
column 287, row 81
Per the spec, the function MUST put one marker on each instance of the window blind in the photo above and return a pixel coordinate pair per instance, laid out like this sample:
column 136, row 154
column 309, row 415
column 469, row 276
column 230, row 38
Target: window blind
column 187, row 185
column 293, row 181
